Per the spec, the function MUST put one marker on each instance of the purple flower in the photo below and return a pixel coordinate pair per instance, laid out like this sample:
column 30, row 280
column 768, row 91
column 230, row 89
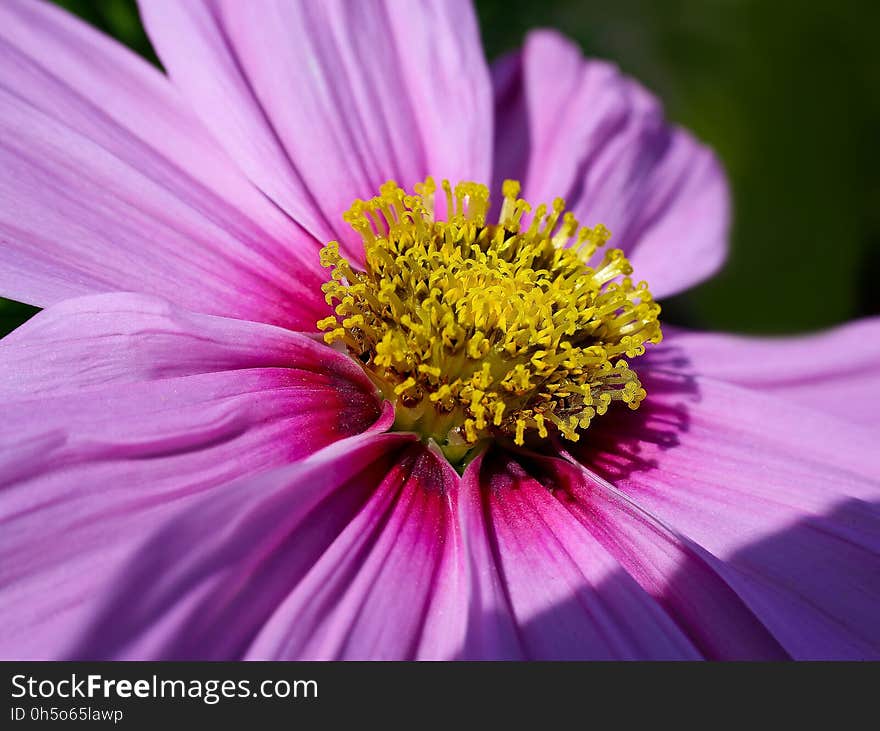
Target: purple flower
column 189, row 471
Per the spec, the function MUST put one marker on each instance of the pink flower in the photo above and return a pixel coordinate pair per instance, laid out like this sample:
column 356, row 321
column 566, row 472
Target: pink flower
column 186, row 475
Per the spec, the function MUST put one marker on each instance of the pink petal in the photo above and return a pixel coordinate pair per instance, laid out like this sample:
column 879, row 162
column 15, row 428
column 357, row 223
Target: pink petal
column 580, row 130
column 837, row 371
column 109, row 183
column 478, row 603
column 570, row 597
column 370, row 594
column 195, row 591
column 686, row 581
column 787, row 498
column 316, row 110
column 95, row 341
column 86, row 470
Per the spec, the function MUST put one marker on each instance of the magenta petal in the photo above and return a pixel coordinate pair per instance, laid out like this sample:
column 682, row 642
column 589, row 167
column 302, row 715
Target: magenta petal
column 231, row 568
column 91, row 342
column 837, row 371
column 86, row 470
column 491, row 625
column 689, row 583
column 111, row 377
column 316, row 111
column 110, row 183
column 570, row 107
column 599, row 140
column 787, row 499
column 571, row 598
column 371, row 595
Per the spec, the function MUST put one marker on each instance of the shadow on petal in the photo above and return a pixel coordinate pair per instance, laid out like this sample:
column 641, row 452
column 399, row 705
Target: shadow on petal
column 816, row 584
column 613, row 445
column 808, row 591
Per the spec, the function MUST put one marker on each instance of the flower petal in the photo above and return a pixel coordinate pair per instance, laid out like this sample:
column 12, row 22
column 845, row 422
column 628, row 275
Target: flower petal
column 491, row 631
column 837, row 371
column 582, row 131
column 571, row 598
column 316, row 111
column 687, row 582
column 118, row 338
column 370, row 594
column 86, row 473
column 787, row 498
column 110, row 183
column 196, row 591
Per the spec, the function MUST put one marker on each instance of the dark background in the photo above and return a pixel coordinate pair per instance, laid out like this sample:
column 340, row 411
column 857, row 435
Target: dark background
column 787, row 92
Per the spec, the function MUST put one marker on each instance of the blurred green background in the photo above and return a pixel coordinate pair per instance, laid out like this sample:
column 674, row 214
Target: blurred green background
column 788, row 93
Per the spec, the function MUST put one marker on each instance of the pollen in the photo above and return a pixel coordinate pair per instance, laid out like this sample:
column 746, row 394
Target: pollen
column 514, row 330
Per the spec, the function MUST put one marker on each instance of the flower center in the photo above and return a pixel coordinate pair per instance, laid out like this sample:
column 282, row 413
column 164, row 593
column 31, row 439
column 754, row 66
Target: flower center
column 481, row 330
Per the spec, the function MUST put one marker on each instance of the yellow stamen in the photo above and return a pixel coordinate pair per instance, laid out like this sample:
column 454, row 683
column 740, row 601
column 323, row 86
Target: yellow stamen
column 480, row 330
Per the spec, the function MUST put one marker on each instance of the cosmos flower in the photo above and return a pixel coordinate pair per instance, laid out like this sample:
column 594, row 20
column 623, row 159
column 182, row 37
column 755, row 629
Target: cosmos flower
column 277, row 406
